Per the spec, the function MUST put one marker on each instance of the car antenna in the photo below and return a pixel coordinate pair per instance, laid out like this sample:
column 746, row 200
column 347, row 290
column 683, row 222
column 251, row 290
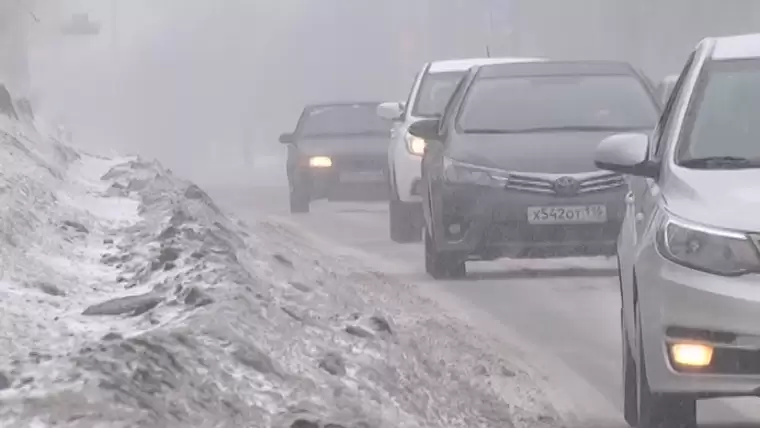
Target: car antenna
column 488, row 51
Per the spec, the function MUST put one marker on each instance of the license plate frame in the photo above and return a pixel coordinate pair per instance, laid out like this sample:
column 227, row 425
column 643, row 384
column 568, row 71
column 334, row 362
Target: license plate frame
column 376, row 176
column 567, row 214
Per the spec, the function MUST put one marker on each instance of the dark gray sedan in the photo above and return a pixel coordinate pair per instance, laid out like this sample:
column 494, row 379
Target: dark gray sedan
column 338, row 151
column 509, row 170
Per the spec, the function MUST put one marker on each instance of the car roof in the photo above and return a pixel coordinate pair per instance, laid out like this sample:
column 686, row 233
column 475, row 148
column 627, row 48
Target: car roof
column 556, row 68
column 466, row 63
column 342, row 104
column 743, row 46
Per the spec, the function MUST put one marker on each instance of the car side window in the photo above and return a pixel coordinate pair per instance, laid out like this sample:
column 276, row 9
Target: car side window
column 451, row 104
column 410, row 99
column 664, row 126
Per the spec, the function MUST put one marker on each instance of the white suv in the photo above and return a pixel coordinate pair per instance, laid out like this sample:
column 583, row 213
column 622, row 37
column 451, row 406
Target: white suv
column 430, row 93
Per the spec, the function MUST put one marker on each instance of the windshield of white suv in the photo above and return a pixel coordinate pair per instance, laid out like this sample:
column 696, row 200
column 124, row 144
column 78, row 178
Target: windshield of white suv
column 723, row 119
column 343, row 120
column 525, row 104
column 434, row 93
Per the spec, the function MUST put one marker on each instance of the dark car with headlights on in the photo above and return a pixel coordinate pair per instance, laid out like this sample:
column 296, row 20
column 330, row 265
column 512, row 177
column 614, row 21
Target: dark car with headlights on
column 338, row 151
column 509, row 169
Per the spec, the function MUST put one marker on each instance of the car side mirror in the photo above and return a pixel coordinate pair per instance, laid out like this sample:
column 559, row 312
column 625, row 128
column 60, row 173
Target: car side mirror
column 393, row 111
column 286, row 138
column 427, row 129
column 626, row 154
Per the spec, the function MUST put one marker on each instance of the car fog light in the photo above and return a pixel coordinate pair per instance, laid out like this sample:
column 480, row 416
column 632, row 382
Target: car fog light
column 454, row 229
column 691, row 354
column 320, row 162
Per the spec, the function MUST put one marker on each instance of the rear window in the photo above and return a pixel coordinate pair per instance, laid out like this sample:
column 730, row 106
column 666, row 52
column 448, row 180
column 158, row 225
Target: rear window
column 524, row 104
column 349, row 119
column 434, row 93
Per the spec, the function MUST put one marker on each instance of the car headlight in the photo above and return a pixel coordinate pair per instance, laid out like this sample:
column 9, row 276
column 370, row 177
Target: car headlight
column 415, row 145
column 709, row 250
column 462, row 173
column 320, row 162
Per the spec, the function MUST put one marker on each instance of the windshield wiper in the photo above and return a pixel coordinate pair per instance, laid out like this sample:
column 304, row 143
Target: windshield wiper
column 554, row 129
column 720, row 162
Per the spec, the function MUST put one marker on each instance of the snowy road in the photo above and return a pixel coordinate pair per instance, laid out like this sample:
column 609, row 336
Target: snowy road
column 564, row 314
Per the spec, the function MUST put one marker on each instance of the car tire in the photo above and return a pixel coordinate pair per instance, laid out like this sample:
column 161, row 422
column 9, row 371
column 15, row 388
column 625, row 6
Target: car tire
column 299, row 200
column 442, row 265
column 405, row 220
column 660, row 410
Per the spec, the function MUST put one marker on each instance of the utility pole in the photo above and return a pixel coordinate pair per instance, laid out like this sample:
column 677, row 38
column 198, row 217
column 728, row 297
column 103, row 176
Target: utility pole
column 489, row 30
column 115, row 26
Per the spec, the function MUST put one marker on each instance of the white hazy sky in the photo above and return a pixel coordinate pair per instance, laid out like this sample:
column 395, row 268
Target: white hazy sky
column 165, row 78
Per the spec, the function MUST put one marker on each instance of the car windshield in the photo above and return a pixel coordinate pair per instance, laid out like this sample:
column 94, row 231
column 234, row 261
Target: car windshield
column 723, row 119
column 343, row 120
column 434, row 93
column 525, row 104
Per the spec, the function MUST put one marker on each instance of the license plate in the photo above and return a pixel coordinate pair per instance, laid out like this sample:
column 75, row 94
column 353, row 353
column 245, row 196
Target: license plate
column 362, row 176
column 567, row 214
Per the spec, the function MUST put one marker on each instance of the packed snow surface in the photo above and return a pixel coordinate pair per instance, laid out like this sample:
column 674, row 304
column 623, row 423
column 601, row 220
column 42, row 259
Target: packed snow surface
column 128, row 299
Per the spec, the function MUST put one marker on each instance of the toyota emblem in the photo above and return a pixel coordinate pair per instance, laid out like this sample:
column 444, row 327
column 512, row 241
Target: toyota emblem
column 567, row 186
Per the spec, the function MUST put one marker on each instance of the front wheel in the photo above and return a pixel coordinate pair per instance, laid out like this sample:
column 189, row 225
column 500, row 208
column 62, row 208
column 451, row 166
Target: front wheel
column 630, row 397
column 441, row 265
column 660, row 410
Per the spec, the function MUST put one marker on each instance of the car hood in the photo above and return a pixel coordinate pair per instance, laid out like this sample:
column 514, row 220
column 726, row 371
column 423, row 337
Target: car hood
column 720, row 198
column 349, row 145
column 545, row 152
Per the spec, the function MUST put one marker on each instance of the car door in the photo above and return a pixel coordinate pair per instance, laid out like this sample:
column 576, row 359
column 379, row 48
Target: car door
column 642, row 197
column 293, row 150
column 432, row 162
column 399, row 130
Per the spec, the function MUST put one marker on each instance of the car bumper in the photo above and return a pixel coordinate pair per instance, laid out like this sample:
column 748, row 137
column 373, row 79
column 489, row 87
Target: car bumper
column 494, row 223
column 680, row 305
column 333, row 184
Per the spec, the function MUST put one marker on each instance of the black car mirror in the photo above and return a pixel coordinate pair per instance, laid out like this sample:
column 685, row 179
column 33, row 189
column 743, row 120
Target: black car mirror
column 286, row 138
column 427, row 129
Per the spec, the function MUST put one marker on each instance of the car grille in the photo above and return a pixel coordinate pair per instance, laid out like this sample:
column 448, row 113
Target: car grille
column 599, row 183
column 525, row 232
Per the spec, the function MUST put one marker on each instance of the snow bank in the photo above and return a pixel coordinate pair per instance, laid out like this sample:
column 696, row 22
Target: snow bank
column 129, row 300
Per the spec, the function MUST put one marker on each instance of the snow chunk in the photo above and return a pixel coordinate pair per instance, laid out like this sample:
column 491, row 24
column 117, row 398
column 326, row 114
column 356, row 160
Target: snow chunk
column 127, row 298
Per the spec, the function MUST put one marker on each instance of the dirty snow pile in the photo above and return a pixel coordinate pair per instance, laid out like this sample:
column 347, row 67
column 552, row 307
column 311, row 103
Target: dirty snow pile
column 127, row 299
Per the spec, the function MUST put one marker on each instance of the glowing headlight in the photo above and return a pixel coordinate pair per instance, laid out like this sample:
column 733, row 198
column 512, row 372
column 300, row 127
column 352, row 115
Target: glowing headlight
column 461, row 173
column 715, row 251
column 691, row 354
column 320, row 162
column 415, row 145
